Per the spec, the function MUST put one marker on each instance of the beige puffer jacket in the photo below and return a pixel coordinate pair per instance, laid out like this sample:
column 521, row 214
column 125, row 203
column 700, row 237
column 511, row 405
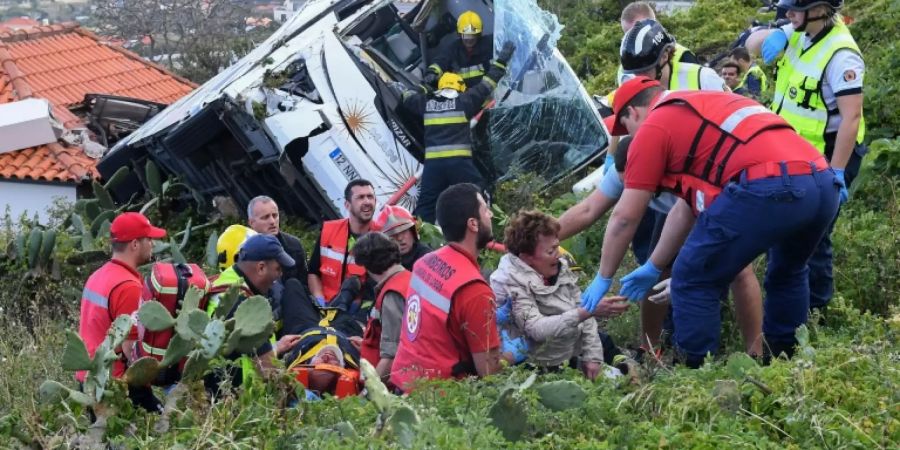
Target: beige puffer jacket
column 548, row 315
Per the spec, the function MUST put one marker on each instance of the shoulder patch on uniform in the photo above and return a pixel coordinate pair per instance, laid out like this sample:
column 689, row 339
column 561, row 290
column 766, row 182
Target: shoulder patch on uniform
column 849, row 75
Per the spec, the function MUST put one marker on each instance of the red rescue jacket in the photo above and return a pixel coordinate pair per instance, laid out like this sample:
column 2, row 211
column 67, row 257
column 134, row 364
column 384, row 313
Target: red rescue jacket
column 732, row 116
column 371, row 344
column 333, row 252
column 427, row 349
column 95, row 315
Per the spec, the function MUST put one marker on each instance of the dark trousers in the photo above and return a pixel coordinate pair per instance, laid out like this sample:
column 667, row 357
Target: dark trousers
column 785, row 216
column 301, row 314
column 821, row 278
column 439, row 174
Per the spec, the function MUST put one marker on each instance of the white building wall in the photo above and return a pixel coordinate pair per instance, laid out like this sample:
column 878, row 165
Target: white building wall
column 31, row 197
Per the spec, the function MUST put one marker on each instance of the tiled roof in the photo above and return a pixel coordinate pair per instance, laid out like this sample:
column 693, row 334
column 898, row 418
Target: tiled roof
column 62, row 63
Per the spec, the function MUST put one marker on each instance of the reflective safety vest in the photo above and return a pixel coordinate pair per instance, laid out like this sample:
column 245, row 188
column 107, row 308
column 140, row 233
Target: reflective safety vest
column 798, row 84
column 371, row 344
column 95, row 315
column 736, row 119
column 759, row 74
column 427, row 349
column 348, row 379
column 684, row 77
column 335, row 258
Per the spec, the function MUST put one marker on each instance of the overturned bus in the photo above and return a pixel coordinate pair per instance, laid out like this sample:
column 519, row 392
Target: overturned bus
column 310, row 109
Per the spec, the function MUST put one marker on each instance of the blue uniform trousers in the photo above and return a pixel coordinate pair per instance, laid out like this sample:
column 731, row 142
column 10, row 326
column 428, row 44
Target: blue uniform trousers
column 821, row 279
column 439, row 174
column 785, row 216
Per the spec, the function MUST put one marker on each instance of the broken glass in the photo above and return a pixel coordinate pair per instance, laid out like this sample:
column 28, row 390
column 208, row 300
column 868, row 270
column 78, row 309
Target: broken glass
column 543, row 121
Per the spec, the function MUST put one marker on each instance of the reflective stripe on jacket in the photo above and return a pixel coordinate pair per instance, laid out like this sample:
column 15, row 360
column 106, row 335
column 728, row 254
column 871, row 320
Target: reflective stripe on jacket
column 736, row 119
column 427, row 349
column 334, row 254
column 757, row 72
column 798, row 84
column 95, row 317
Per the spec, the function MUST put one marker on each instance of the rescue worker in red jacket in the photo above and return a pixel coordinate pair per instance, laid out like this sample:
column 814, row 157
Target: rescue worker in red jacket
column 115, row 289
column 748, row 184
column 449, row 327
column 380, row 255
column 331, row 261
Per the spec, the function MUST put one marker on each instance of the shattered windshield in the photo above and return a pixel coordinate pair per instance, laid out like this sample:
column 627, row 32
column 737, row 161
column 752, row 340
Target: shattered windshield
column 542, row 122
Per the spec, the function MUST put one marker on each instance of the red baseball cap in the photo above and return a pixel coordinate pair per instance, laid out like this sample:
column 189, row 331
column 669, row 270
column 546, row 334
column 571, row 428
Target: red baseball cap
column 624, row 94
column 129, row 226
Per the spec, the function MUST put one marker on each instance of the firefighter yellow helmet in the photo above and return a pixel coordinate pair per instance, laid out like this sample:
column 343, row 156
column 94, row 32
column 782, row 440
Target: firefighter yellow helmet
column 450, row 80
column 469, row 24
column 230, row 243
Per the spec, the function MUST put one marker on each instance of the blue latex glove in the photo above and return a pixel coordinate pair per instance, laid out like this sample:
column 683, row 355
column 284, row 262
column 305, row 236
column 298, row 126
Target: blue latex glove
column 312, row 396
column 610, row 162
column 321, row 301
column 518, row 347
column 504, row 313
column 636, row 284
column 591, row 296
column 774, row 44
column 845, row 194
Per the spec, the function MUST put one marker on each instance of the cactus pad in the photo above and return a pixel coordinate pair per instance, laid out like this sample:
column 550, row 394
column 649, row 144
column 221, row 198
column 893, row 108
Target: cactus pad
column 253, row 316
column 75, row 355
column 560, row 395
column 155, row 317
column 142, row 372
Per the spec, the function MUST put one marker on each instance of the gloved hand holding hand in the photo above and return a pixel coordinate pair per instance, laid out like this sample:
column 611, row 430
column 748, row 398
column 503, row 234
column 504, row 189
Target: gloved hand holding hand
column 610, row 163
column 517, row 347
column 506, row 52
column 595, row 292
column 636, row 284
column 504, row 312
column 664, row 294
column 845, row 194
column 774, row 44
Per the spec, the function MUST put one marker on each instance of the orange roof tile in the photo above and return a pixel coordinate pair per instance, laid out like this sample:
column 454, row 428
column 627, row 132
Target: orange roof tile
column 61, row 63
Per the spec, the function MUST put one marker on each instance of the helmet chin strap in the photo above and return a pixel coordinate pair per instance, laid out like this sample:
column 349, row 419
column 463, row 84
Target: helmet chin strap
column 807, row 20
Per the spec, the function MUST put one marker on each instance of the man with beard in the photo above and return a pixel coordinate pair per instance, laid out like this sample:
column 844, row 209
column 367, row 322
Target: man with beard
column 449, row 325
column 115, row 289
column 331, row 261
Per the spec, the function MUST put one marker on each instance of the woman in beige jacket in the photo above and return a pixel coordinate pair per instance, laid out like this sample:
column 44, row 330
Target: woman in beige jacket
column 545, row 297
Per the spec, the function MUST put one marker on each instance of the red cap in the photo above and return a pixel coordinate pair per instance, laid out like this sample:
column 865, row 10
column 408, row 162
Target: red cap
column 129, row 226
column 624, row 94
column 610, row 122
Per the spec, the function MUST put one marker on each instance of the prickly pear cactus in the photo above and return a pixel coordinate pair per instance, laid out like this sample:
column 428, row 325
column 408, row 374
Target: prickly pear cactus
column 509, row 415
column 75, row 355
column 155, row 317
column 561, row 395
column 142, row 372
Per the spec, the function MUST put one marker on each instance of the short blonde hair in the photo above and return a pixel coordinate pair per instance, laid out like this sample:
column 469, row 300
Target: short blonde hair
column 636, row 10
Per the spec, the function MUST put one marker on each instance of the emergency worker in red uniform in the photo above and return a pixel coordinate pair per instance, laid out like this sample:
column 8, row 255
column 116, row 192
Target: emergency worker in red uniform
column 115, row 289
column 748, row 184
column 331, row 261
column 449, row 327
column 380, row 255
